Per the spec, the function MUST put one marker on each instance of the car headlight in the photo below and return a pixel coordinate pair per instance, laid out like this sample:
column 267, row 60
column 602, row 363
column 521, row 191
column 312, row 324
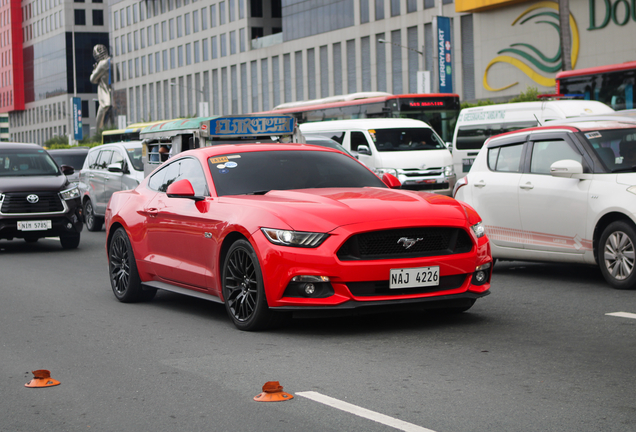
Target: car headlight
column 448, row 170
column 294, row 238
column 479, row 229
column 382, row 171
column 70, row 194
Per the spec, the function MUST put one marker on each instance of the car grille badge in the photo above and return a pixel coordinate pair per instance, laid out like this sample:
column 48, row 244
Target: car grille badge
column 33, row 198
column 408, row 242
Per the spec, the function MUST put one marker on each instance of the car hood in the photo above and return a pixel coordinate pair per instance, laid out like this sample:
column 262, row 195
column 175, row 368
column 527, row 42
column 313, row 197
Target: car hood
column 628, row 179
column 416, row 159
column 326, row 209
column 32, row 183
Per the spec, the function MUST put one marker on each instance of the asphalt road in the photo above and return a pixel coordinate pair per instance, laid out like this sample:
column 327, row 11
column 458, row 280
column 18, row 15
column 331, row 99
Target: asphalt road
column 539, row 354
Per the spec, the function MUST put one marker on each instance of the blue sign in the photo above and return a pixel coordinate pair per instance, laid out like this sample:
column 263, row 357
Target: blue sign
column 243, row 126
column 445, row 60
column 76, row 112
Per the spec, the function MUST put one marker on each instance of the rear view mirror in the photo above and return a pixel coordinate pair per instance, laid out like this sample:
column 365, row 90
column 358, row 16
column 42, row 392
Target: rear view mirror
column 566, row 168
column 182, row 189
column 391, row 181
column 364, row 150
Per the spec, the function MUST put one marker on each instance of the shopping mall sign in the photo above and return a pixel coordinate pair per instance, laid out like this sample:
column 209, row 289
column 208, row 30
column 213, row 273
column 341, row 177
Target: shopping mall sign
column 76, row 112
column 619, row 11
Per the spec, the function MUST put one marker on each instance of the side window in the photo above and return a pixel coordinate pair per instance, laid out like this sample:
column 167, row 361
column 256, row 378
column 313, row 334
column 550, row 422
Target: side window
column 545, row 153
column 357, row 139
column 117, row 157
column 187, row 168
column 91, row 159
column 103, row 159
column 336, row 136
column 506, row 158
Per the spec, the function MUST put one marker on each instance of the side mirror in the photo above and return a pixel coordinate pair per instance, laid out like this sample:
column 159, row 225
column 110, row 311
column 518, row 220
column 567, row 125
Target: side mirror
column 364, row 150
column 567, row 168
column 182, row 189
column 391, row 181
column 67, row 169
column 449, row 145
column 116, row 167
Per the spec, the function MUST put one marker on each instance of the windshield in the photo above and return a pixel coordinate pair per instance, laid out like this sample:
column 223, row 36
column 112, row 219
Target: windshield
column 134, row 154
column 260, row 172
column 406, row 139
column 615, row 147
column 26, row 163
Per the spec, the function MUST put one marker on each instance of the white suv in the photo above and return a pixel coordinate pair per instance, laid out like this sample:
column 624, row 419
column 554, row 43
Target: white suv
column 563, row 193
column 108, row 168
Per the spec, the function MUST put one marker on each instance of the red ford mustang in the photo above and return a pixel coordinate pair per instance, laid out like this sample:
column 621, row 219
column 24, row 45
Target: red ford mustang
column 270, row 229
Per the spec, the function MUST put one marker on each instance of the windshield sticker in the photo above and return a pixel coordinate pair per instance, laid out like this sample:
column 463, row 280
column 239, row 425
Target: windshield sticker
column 224, row 171
column 231, row 164
column 593, row 135
column 219, row 159
column 221, row 166
column 372, row 133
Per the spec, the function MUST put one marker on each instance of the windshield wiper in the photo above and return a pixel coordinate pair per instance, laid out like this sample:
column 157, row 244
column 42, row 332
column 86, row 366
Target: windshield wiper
column 632, row 168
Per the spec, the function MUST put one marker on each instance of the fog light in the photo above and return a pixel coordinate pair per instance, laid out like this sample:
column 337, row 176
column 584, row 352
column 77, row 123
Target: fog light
column 480, row 276
column 69, row 225
column 309, row 289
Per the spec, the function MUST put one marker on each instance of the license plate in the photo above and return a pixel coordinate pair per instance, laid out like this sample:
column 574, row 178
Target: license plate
column 414, row 277
column 41, row 225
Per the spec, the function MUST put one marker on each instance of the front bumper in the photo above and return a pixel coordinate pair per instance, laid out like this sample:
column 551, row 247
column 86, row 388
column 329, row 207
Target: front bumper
column 360, row 284
column 433, row 182
column 69, row 224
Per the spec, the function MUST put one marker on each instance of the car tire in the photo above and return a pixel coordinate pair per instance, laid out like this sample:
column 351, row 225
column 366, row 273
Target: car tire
column 243, row 290
column 122, row 271
column 93, row 223
column 617, row 255
column 70, row 242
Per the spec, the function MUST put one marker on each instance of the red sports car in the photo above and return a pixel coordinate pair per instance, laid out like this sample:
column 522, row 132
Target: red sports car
column 270, row 229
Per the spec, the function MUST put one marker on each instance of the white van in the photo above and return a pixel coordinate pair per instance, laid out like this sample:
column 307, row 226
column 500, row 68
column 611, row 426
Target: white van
column 407, row 148
column 475, row 125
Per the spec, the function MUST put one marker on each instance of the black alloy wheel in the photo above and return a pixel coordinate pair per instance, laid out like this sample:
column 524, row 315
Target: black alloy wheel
column 243, row 289
column 617, row 254
column 93, row 223
column 122, row 269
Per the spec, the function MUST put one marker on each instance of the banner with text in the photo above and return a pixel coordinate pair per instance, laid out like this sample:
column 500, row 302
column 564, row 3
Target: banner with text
column 76, row 112
column 445, row 62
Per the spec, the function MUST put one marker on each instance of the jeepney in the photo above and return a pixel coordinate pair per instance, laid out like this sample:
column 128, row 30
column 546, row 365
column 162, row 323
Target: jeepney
column 165, row 139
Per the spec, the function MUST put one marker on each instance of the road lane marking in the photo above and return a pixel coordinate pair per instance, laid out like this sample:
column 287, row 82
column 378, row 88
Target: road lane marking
column 622, row 315
column 363, row 412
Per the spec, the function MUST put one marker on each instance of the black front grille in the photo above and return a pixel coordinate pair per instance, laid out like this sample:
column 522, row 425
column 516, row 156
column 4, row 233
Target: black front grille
column 431, row 241
column 425, row 186
column 381, row 288
column 16, row 202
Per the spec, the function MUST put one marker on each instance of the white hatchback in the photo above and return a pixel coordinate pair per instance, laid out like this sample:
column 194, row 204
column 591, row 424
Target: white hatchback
column 564, row 193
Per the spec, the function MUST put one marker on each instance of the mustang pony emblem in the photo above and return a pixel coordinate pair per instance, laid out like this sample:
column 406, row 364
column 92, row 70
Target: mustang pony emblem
column 408, row 242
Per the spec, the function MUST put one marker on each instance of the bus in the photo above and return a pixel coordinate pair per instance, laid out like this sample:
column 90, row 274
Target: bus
column 130, row 133
column 612, row 84
column 440, row 110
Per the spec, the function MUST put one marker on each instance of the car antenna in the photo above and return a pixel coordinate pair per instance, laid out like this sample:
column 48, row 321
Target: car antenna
column 538, row 121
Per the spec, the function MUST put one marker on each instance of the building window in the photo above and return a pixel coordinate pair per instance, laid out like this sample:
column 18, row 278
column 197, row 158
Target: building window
column 188, row 54
column 232, row 7
column 195, row 21
column 204, row 19
column 180, row 55
column 80, row 17
column 223, row 41
column 186, row 18
column 364, row 11
column 179, row 26
column 197, row 57
column 395, row 8
column 221, row 13
column 233, row 42
column 214, row 49
column 173, row 60
column 256, row 8
column 204, row 48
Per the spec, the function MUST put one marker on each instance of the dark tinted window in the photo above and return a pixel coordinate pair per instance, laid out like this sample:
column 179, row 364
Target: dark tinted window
column 406, row 139
column 358, row 138
column 245, row 173
column 135, row 158
column 187, row 168
column 473, row 137
column 26, row 163
column 615, row 147
column 74, row 160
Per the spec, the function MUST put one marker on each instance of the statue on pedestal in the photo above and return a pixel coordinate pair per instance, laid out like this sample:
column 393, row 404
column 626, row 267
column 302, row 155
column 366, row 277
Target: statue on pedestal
column 101, row 76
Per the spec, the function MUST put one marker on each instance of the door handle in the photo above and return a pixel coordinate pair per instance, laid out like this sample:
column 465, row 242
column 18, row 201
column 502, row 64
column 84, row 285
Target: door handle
column 527, row 186
column 106, row 178
column 91, row 176
column 152, row 212
column 480, row 184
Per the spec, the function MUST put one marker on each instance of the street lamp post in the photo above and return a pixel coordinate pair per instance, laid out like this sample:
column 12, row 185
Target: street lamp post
column 203, row 106
column 423, row 77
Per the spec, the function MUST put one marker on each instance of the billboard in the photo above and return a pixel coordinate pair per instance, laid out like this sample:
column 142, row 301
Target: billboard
column 445, row 61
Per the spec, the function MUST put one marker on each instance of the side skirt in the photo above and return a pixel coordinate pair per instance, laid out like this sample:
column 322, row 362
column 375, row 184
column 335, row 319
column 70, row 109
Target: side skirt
column 177, row 289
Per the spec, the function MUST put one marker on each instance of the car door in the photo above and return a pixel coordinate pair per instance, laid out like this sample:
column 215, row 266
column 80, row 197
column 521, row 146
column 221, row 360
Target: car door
column 97, row 180
column 113, row 180
column 495, row 192
column 178, row 229
column 553, row 209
